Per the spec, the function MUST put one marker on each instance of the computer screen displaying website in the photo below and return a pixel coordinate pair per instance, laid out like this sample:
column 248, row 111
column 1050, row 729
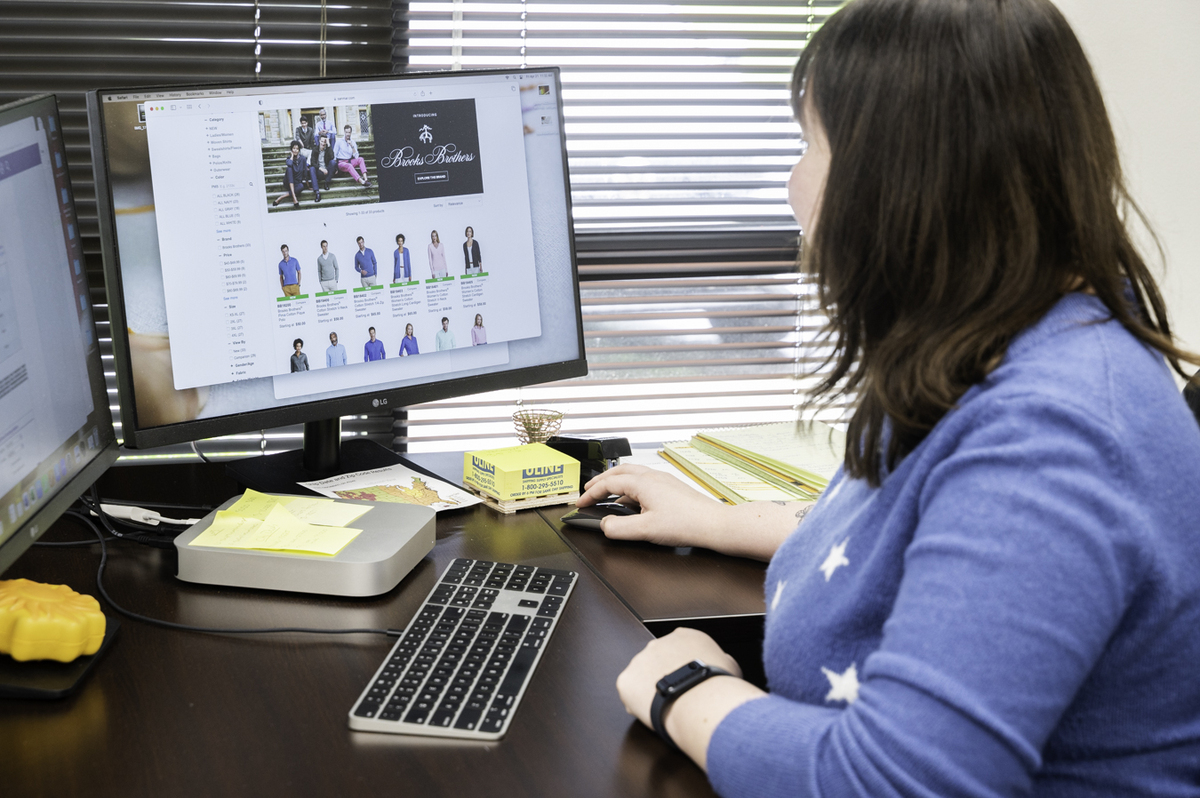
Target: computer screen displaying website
column 54, row 418
column 283, row 244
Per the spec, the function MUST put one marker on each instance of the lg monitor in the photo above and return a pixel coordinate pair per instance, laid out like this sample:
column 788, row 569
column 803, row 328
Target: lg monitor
column 290, row 252
column 56, row 433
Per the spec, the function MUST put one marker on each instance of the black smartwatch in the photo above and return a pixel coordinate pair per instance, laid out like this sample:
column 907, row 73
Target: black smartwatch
column 675, row 684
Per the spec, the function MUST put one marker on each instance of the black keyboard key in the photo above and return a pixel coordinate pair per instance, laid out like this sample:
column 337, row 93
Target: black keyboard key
column 518, row 623
column 367, row 709
column 494, row 720
column 550, row 605
column 468, row 718
column 442, row 717
column 517, row 671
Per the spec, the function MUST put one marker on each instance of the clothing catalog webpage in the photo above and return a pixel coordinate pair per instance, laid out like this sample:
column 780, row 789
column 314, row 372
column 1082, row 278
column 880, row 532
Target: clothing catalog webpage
column 345, row 236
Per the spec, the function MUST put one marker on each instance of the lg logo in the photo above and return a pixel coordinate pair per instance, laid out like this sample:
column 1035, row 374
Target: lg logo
column 378, row 402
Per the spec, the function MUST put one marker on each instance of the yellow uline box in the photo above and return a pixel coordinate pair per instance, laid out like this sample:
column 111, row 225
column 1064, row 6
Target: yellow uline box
column 40, row 621
column 521, row 472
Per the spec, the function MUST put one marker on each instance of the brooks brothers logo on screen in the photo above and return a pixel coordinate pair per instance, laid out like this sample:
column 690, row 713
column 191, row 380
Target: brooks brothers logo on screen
column 427, row 149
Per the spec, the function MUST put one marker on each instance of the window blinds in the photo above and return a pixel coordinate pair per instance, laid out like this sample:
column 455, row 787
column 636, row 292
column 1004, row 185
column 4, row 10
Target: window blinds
column 677, row 114
column 680, row 139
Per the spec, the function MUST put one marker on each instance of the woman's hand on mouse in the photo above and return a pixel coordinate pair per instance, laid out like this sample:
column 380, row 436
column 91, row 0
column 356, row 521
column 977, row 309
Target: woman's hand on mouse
column 672, row 513
column 675, row 515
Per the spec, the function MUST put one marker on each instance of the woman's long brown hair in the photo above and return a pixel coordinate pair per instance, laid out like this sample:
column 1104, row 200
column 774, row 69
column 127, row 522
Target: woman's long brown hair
column 974, row 181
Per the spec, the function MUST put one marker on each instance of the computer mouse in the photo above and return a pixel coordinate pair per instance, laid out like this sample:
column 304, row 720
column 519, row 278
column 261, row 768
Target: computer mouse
column 589, row 517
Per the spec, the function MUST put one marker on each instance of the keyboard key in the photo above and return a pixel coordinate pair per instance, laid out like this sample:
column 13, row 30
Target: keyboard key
column 521, row 665
column 367, row 709
column 494, row 720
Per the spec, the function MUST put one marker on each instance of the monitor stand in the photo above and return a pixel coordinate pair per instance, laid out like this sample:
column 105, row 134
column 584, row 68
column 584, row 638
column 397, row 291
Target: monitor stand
column 324, row 455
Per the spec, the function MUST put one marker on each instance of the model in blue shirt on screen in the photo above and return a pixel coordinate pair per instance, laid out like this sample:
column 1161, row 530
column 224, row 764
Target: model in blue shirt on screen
column 365, row 264
column 335, row 354
column 325, row 129
column 999, row 592
column 401, row 262
column 373, row 349
column 408, row 344
column 289, row 273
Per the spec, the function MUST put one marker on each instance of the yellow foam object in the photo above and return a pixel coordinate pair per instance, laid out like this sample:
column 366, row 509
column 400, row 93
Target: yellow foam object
column 40, row 621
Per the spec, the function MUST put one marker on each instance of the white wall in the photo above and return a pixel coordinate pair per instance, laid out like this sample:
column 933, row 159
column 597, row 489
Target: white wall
column 1146, row 57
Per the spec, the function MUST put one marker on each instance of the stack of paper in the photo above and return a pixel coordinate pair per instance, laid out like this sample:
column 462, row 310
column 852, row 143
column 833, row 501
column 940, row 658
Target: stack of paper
column 783, row 461
column 283, row 523
column 726, row 482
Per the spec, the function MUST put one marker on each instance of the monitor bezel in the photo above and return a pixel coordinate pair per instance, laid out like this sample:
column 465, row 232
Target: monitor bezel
column 137, row 437
column 38, row 520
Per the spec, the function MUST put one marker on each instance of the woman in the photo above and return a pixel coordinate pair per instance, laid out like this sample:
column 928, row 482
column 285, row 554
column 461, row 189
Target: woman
column 471, row 252
column 999, row 594
column 437, row 256
column 295, row 173
column 408, row 344
column 478, row 334
column 299, row 359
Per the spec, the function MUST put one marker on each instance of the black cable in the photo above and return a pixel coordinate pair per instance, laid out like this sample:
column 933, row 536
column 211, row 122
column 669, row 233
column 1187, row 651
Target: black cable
column 153, row 538
column 208, row 630
column 191, row 509
column 68, row 543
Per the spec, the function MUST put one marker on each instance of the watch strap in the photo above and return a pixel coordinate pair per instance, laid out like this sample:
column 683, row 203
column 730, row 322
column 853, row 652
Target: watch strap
column 675, row 684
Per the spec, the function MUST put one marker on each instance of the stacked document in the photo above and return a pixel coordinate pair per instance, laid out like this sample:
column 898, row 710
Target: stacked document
column 774, row 462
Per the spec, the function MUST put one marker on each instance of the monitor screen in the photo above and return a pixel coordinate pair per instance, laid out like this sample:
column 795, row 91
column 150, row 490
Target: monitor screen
column 56, row 433
column 278, row 253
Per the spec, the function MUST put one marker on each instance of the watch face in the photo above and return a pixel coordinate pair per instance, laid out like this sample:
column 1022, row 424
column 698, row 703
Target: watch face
column 680, row 680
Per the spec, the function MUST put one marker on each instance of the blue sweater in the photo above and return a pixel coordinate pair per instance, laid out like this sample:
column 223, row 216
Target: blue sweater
column 1015, row 611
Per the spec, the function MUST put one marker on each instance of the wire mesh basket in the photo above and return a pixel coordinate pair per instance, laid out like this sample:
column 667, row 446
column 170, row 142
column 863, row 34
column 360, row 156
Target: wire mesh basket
column 536, row 425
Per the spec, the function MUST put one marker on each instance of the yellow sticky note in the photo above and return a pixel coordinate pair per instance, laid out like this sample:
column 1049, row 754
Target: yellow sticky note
column 324, row 512
column 253, row 505
column 279, row 531
column 227, row 531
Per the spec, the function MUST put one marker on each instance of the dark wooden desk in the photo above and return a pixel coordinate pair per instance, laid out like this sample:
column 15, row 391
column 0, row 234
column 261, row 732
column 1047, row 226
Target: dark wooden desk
column 665, row 588
column 180, row 713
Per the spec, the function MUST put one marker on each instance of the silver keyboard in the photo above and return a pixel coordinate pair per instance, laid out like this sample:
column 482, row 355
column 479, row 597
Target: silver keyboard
column 464, row 661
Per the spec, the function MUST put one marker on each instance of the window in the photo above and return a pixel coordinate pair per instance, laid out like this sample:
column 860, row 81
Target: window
column 680, row 139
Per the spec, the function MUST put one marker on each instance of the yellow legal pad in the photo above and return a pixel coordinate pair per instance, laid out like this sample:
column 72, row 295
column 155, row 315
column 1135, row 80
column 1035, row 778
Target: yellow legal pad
column 295, row 524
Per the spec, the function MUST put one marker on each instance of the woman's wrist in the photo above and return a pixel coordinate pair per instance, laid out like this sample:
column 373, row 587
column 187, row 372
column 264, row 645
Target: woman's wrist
column 692, row 718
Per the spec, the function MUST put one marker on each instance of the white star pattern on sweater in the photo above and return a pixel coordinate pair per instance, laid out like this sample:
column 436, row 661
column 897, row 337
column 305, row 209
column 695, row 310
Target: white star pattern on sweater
column 842, row 686
column 779, row 586
column 836, row 559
